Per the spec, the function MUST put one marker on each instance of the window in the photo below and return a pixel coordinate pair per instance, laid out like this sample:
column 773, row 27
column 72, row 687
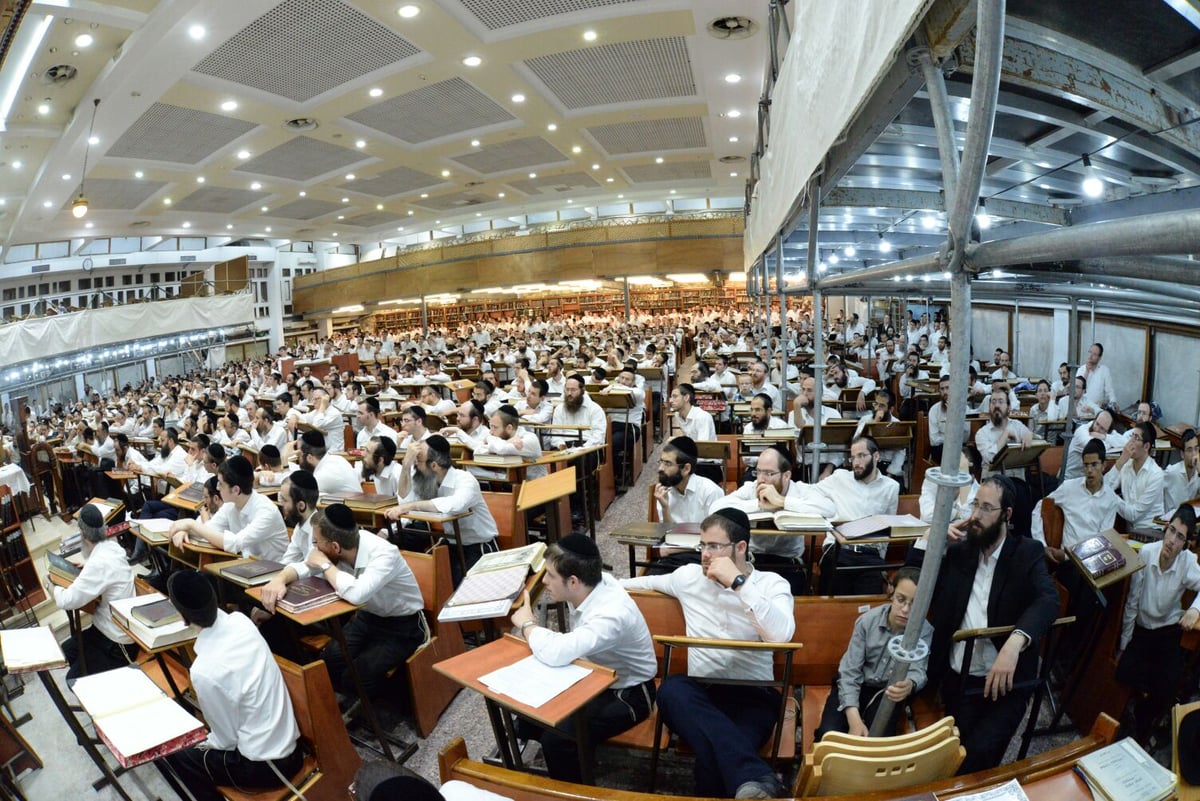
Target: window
column 109, row 280
column 154, row 278
column 64, row 286
column 85, row 283
column 10, row 293
column 126, row 279
column 139, row 278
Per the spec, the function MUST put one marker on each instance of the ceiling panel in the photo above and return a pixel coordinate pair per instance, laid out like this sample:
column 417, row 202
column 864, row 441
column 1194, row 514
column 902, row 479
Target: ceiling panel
column 392, row 183
column 117, row 194
column 625, row 72
column 553, row 184
column 457, row 200
column 679, row 171
column 301, row 159
column 432, row 112
column 373, row 219
column 287, row 52
column 178, row 135
column 516, row 154
column 304, row 209
column 649, row 136
column 497, row 14
column 219, row 199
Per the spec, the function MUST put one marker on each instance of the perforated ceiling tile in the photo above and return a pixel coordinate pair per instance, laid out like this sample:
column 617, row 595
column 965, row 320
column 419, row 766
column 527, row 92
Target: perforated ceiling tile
column 458, row 200
column 373, row 219
column 300, row 159
column 304, row 209
column 432, row 112
column 553, row 184
column 686, row 171
column 219, row 199
column 303, row 48
column 649, row 136
column 496, row 14
column 178, row 135
column 625, row 72
column 393, row 182
column 515, row 154
column 110, row 193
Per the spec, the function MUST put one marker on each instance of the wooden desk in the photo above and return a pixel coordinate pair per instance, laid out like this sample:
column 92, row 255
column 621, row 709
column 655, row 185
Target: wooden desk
column 159, row 654
column 75, row 619
column 118, row 510
column 545, row 491
column 563, row 709
column 331, row 616
column 174, row 498
column 452, row 519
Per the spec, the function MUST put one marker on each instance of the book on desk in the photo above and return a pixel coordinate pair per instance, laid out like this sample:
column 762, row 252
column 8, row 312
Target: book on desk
column 135, row 719
column 364, row 500
column 161, row 636
column 154, row 531
column 59, row 565
column 486, row 594
column 192, row 492
column 307, row 593
column 791, row 521
column 1098, row 556
column 154, row 615
column 882, row 525
column 499, row 460
column 251, row 572
column 30, row 650
column 1123, row 771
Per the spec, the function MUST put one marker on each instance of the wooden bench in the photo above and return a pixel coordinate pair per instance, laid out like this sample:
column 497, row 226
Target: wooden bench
column 330, row 760
column 1047, row 776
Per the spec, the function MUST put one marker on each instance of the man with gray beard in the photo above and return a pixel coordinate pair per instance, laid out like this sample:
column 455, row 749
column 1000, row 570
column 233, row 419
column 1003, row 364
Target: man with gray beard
column 429, row 483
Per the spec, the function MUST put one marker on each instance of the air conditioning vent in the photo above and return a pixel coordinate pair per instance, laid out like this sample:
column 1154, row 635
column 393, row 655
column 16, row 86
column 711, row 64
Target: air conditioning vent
column 732, row 27
column 301, row 124
column 117, row 262
column 60, row 73
column 40, row 268
column 187, row 258
column 731, row 159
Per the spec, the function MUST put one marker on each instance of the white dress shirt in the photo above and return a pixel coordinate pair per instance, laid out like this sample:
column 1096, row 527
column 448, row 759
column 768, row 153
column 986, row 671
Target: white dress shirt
column 334, row 474
column 937, row 424
column 530, row 449
column 105, row 577
column 762, row 609
column 854, row 499
column 387, row 480
column 458, row 492
column 1112, row 442
column 1141, row 492
column 991, row 438
column 590, row 415
column 804, row 499
column 1085, row 514
column 1154, row 594
column 257, row 529
column 380, row 580
column 241, row 691
column 537, row 416
column 698, row 424
column 380, row 430
column 299, row 548
column 332, row 425
column 961, row 510
column 1178, row 488
column 608, row 629
column 694, row 503
column 1100, row 390
column 976, row 617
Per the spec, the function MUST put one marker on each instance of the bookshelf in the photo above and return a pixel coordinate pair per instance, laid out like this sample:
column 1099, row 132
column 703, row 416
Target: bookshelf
column 19, row 585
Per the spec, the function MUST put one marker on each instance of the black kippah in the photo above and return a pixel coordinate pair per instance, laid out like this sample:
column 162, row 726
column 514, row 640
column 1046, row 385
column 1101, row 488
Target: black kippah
column 90, row 516
column 735, row 516
column 303, row 479
column 508, row 409
column 269, row 451
column 686, row 446
column 438, row 443
column 340, row 516
column 580, row 545
column 314, row 439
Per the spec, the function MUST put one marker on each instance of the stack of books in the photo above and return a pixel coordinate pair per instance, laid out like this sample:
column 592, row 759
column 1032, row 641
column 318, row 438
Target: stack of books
column 164, row 631
column 307, row 593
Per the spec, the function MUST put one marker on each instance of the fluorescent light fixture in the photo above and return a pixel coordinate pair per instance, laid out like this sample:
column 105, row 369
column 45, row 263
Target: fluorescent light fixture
column 357, row 307
column 688, row 278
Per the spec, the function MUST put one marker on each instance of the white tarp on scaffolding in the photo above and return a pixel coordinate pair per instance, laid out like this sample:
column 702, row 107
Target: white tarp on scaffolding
column 838, row 52
column 47, row 337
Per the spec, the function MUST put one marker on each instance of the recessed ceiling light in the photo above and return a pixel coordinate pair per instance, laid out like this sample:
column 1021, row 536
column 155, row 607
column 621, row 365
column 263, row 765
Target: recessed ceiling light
column 243, row 154
column 341, row 216
column 187, row 225
column 595, row 166
column 47, row 203
column 445, row 173
column 733, row 77
column 608, row 180
column 84, row 40
column 228, row 226
column 345, row 200
column 16, row 165
column 361, row 143
column 570, row 200
column 350, row 176
column 400, row 228
column 472, row 61
column 518, row 98
column 263, row 208
column 43, row 109
column 303, row 193
column 378, row 207
column 478, row 214
column 196, row 32
column 256, row 186
column 658, row 160
column 66, row 176
column 138, row 174
column 474, row 143
column 733, row 114
column 672, row 191
column 589, row 36
column 500, row 195
column 335, row 233
column 410, row 212
column 93, row 140
column 409, row 11
column 577, row 149
column 551, row 127
column 733, row 140
column 424, row 194
column 733, row 175
column 267, row 229
column 533, row 175
column 88, row 225
column 437, row 222
column 376, row 92
column 199, row 179
column 620, row 197
column 166, row 201
column 229, row 105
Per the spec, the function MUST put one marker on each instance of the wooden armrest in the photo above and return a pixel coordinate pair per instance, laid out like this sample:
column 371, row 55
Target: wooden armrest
column 740, row 645
column 996, row 631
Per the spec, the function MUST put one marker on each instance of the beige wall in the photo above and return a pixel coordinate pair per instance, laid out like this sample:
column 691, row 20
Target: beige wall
column 636, row 249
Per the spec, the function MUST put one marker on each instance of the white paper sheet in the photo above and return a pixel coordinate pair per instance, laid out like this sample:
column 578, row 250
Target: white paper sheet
column 532, row 682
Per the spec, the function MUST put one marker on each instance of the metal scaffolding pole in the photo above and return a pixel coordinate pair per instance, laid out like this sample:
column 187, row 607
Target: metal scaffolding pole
column 929, row 262
column 1072, row 365
column 626, row 282
column 783, row 329
column 818, row 340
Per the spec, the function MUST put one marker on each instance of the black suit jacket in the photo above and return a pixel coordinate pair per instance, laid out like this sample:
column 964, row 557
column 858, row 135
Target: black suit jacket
column 1022, row 595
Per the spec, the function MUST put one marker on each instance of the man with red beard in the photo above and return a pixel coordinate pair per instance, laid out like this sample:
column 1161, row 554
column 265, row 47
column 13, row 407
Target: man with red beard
column 1000, row 430
column 988, row 578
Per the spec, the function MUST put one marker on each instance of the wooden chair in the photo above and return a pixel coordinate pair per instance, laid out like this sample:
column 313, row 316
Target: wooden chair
column 867, row 769
column 330, row 760
column 46, row 477
column 431, row 691
column 831, row 742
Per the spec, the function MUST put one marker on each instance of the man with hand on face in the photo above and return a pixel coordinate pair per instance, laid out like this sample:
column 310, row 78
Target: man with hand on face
column 681, row 496
column 607, row 628
column 1139, row 478
column 989, row 577
column 773, row 490
column 725, row 597
column 333, row 473
column 1000, row 431
column 1181, row 481
column 380, row 466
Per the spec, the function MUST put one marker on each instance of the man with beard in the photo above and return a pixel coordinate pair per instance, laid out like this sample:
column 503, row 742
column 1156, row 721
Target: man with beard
column 725, row 597
column 297, row 498
column 937, row 419
column 577, row 409
column 802, row 407
column 988, row 578
column 1150, row 658
column 470, row 431
column 681, row 495
column 379, row 465
column 333, row 473
column 772, row 490
column 507, row 438
column 858, row 492
column 841, row 379
column 555, row 380
column 429, row 483
column 268, row 430
column 1000, row 430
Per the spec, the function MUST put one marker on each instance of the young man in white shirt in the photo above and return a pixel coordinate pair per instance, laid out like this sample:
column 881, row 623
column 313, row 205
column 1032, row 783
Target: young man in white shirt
column 379, row 466
column 247, row 524
column 1139, row 479
column 1100, row 390
column 606, row 628
column 370, row 424
column 725, row 597
column 1088, row 504
column 689, row 418
column 1181, row 481
column 1000, row 430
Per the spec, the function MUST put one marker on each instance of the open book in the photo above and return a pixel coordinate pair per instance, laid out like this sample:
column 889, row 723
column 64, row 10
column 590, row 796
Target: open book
column 30, row 650
column 532, row 556
column 1013, row 456
column 1123, row 771
column 899, row 526
column 137, row 721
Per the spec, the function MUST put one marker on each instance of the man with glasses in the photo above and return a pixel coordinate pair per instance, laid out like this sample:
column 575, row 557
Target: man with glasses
column 1000, row 430
column 772, row 490
column 1181, row 481
column 1150, row 658
column 1139, row 479
column 989, row 577
column 412, row 423
column 1089, row 506
column 724, row 597
column 1100, row 429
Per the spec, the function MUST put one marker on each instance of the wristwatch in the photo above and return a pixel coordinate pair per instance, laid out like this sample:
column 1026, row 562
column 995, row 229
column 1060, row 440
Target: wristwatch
column 325, row 566
column 737, row 583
